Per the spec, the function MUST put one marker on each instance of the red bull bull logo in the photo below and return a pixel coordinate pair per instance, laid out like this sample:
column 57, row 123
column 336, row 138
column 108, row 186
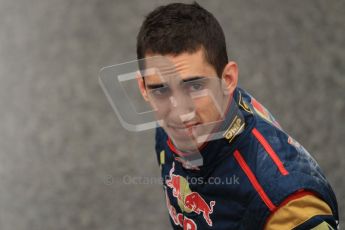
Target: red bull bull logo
column 188, row 200
column 198, row 205
column 179, row 219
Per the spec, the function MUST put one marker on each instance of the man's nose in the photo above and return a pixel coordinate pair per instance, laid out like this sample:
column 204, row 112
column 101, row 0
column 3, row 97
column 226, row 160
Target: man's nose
column 182, row 106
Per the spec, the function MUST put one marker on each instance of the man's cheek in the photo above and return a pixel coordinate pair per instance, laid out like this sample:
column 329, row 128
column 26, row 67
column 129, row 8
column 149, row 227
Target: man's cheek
column 209, row 113
column 204, row 116
column 163, row 115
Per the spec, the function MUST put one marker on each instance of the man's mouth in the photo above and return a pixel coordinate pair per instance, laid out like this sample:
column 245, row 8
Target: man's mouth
column 183, row 131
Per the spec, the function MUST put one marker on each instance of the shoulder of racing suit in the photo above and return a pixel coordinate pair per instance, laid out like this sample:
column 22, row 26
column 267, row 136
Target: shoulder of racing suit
column 282, row 167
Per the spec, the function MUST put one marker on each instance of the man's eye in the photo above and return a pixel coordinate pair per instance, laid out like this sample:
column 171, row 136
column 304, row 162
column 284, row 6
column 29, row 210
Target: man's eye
column 196, row 87
column 160, row 92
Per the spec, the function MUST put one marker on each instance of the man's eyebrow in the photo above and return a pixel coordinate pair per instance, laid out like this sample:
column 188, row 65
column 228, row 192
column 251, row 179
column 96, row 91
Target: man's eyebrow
column 161, row 85
column 193, row 78
column 156, row 86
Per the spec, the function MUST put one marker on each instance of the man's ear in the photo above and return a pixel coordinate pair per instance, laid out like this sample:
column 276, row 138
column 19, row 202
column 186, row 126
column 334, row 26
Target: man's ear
column 141, row 85
column 230, row 77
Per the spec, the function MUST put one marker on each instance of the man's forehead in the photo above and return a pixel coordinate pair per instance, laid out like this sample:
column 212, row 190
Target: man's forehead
column 156, row 77
column 180, row 66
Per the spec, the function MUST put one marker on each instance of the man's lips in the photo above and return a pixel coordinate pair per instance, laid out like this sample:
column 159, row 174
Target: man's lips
column 185, row 130
column 184, row 126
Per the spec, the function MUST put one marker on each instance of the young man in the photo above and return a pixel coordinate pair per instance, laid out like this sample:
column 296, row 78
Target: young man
column 251, row 176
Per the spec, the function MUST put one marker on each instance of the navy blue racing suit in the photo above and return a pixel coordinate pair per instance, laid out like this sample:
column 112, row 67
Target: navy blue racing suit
column 255, row 177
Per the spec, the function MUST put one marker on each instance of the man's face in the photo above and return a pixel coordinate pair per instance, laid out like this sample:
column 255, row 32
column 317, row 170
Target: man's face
column 188, row 98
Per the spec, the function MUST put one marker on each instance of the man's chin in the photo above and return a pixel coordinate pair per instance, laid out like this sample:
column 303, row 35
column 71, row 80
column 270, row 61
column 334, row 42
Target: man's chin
column 186, row 145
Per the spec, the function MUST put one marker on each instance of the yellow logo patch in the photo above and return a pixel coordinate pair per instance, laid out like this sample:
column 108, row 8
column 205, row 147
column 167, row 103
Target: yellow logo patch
column 235, row 128
column 244, row 106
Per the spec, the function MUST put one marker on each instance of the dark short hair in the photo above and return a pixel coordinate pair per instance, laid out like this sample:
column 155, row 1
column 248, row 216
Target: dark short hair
column 177, row 27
